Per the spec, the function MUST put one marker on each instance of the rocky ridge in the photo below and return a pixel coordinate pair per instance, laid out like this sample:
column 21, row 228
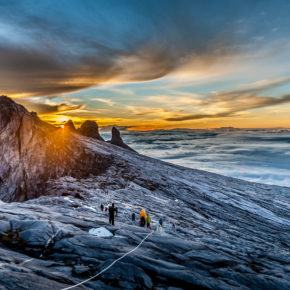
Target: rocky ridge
column 33, row 152
column 229, row 233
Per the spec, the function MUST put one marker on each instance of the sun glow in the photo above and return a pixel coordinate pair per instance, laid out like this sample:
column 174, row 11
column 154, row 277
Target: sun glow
column 62, row 119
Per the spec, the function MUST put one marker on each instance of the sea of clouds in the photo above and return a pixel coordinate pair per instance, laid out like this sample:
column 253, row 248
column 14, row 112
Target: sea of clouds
column 255, row 155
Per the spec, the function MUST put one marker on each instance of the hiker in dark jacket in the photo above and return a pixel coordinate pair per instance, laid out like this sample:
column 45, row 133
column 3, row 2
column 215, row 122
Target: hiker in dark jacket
column 112, row 211
column 133, row 217
column 142, row 222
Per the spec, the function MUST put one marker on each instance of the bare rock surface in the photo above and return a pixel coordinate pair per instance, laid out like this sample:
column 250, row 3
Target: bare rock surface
column 229, row 233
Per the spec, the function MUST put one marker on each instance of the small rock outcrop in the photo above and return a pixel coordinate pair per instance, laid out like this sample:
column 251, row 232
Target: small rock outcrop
column 90, row 129
column 69, row 125
column 117, row 139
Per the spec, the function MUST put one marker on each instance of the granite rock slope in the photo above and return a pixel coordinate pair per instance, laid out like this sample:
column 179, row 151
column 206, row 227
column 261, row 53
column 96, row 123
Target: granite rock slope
column 229, row 233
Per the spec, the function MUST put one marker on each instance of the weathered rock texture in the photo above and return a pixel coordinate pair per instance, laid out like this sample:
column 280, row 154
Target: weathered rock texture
column 230, row 234
column 90, row 129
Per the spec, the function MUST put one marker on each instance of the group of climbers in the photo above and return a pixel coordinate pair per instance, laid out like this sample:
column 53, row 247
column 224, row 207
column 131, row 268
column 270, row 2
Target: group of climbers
column 144, row 219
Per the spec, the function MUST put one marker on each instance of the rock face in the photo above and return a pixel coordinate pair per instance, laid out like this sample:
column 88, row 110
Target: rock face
column 228, row 234
column 33, row 152
column 69, row 125
column 90, row 129
column 117, row 139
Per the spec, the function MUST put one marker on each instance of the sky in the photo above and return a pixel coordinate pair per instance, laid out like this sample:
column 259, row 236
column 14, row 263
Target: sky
column 149, row 64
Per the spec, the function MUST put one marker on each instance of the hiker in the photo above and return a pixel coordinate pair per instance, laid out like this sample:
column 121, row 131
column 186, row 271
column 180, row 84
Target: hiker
column 142, row 216
column 112, row 211
column 173, row 227
column 142, row 222
column 159, row 226
column 102, row 207
column 148, row 221
column 133, row 217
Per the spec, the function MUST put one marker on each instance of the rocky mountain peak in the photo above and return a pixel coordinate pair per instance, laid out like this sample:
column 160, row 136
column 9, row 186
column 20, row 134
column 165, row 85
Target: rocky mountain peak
column 90, row 129
column 116, row 135
column 9, row 110
column 32, row 152
column 117, row 139
column 69, row 125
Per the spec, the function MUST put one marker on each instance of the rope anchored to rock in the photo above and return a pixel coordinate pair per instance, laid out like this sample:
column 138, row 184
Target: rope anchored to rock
column 112, row 264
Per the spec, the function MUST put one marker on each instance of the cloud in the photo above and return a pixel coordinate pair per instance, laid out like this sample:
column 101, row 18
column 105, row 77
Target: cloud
column 187, row 117
column 145, row 111
column 229, row 103
column 42, row 108
column 229, row 153
column 106, row 101
column 256, row 87
column 88, row 44
column 243, row 104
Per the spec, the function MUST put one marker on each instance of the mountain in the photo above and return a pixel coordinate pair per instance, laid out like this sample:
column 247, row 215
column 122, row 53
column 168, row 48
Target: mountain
column 33, row 152
column 228, row 233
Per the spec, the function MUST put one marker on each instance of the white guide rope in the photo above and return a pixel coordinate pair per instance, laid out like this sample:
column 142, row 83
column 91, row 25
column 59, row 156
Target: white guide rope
column 45, row 247
column 113, row 263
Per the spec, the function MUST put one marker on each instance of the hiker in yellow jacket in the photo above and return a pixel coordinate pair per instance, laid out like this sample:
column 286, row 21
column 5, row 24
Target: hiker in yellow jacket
column 148, row 221
column 142, row 218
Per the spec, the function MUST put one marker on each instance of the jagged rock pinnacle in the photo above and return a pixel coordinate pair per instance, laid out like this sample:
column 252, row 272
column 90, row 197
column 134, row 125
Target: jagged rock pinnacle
column 117, row 139
column 90, row 129
column 69, row 125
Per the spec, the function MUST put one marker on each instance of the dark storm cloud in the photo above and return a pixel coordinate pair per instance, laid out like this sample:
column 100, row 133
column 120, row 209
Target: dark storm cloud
column 50, row 47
